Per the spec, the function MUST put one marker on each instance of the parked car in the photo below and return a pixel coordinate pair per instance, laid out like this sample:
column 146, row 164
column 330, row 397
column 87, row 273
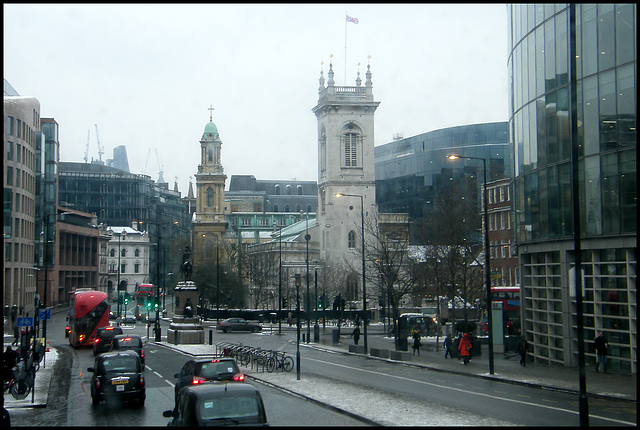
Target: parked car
column 128, row 321
column 117, row 376
column 198, row 371
column 238, row 324
column 129, row 342
column 104, row 336
column 218, row 405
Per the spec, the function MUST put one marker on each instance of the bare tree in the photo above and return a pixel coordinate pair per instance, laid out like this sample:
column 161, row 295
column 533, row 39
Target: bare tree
column 387, row 260
column 453, row 245
column 263, row 274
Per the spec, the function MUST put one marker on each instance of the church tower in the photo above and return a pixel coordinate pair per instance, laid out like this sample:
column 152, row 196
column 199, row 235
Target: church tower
column 346, row 165
column 209, row 222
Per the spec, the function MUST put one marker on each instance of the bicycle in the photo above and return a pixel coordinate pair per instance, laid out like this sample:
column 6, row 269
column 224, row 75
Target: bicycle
column 279, row 360
column 20, row 385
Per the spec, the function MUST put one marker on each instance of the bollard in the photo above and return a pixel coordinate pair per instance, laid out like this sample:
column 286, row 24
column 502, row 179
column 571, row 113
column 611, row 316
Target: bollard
column 210, row 337
column 303, row 337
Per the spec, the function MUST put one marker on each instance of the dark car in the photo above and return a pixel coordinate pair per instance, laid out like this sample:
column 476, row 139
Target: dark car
column 117, row 376
column 238, row 324
column 104, row 336
column 198, row 371
column 128, row 321
column 218, row 405
column 129, row 341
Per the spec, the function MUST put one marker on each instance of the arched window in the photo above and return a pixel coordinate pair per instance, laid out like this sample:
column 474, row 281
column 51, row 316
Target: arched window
column 352, row 287
column 275, row 207
column 351, row 242
column 288, row 190
column 277, row 190
column 209, row 197
column 286, row 208
column 351, row 145
column 309, row 208
column 297, row 208
column 123, row 252
column 136, row 253
column 112, row 253
column 210, row 155
column 299, row 190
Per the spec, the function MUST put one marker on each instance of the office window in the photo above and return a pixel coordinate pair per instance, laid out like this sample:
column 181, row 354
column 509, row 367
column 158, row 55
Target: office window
column 136, row 267
column 136, row 253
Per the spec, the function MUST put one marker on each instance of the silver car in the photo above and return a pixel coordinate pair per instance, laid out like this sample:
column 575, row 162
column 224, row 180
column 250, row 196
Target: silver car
column 238, row 324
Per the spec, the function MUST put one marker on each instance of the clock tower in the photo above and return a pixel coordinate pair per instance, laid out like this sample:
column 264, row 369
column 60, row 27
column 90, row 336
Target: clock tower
column 209, row 222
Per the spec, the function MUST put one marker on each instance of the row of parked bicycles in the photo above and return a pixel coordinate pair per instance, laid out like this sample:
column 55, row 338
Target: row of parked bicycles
column 19, row 374
column 256, row 358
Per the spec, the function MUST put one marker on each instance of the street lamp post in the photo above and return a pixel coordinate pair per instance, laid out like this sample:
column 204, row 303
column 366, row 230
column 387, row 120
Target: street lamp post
column 279, row 279
column 364, row 280
column 298, row 326
column 486, row 254
column 307, row 309
column 217, row 283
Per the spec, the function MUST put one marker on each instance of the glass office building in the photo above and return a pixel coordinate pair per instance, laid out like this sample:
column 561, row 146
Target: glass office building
column 540, row 129
column 412, row 172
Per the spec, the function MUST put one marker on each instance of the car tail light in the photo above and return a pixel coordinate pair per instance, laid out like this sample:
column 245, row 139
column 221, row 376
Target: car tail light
column 96, row 341
column 198, row 380
column 238, row 377
column 97, row 384
column 81, row 338
column 141, row 380
column 142, row 353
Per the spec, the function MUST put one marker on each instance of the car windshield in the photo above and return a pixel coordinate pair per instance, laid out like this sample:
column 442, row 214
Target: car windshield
column 228, row 407
column 119, row 365
column 129, row 342
column 213, row 369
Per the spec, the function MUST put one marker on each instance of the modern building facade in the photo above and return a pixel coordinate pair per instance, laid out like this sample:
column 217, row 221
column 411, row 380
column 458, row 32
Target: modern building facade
column 119, row 198
column 540, row 129
column 410, row 173
column 22, row 138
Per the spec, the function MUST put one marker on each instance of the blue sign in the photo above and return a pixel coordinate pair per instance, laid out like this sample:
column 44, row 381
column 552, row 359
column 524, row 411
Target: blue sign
column 44, row 314
column 24, row 322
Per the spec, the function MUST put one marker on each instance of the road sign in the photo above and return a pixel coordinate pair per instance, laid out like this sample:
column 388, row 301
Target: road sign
column 24, row 322
column 44, row 314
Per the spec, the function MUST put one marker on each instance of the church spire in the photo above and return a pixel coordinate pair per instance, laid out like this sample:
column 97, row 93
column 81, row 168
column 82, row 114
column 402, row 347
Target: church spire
column 211, row 109
column 321, row 87
column 330, row 82
column 358, row 80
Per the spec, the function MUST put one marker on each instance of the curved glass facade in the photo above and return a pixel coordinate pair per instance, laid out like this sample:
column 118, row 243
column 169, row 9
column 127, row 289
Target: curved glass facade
column 410, row 172
column 540, row 131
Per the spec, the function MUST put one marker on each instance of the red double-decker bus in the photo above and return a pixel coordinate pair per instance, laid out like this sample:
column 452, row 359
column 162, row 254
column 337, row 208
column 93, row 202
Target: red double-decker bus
column 510, row 299
column 144, row 294
column 88, row 311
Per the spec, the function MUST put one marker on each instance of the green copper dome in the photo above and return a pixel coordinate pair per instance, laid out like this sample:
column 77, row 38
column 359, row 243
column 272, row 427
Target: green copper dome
column 210, row 130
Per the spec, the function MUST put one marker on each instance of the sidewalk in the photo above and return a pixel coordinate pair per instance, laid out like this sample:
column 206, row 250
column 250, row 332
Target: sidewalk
column 507, row 367
column 38, row 397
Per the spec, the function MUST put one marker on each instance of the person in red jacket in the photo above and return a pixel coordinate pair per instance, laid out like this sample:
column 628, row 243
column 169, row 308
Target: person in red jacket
column 464, row 347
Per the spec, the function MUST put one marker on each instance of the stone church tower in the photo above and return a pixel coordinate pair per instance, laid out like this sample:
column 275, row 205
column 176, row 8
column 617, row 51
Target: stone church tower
column 209, row 222
column 346, row 165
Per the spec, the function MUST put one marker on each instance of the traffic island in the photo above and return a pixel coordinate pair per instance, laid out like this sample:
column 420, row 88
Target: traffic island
column 186, row 327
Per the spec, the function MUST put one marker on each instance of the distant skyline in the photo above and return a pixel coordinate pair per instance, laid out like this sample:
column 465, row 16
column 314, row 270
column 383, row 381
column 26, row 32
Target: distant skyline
column 147, row 74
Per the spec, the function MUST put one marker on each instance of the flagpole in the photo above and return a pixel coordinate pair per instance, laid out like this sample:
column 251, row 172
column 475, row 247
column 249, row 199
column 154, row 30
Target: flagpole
column 345, row 47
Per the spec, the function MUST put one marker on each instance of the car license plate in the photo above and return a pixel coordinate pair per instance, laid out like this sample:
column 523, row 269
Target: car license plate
column 119, row 387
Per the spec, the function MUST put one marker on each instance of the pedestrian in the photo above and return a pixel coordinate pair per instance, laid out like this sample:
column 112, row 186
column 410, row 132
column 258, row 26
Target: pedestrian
column 416, row 342
column 465, row 348
column 523, row 347
column 601, row 344
column 447, row 347
column 9, row 360
column 356, row 334
column 16, row 336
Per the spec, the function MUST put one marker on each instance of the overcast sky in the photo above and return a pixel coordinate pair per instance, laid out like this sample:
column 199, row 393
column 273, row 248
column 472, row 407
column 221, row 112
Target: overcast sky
column 146, row 75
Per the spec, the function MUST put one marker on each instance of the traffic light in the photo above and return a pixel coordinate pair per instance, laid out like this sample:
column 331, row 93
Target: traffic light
column 155, row 305
column 148, row 305
column 126, row 298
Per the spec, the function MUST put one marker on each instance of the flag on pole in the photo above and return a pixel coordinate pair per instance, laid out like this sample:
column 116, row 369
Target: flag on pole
column 351, row 19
